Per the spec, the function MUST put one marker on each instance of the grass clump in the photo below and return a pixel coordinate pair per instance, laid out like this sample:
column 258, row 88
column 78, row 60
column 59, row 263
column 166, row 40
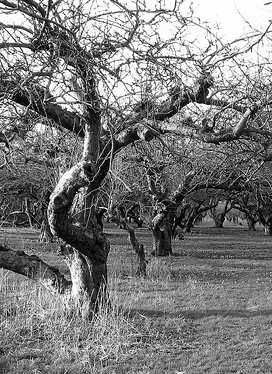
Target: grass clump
column 41, row 334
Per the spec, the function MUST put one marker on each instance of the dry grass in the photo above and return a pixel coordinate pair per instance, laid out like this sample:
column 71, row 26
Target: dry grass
column 208, row 309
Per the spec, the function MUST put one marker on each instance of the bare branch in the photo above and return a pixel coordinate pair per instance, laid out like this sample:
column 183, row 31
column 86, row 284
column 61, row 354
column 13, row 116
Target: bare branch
column 16, row 45
column 15, row 27
column 32, row 267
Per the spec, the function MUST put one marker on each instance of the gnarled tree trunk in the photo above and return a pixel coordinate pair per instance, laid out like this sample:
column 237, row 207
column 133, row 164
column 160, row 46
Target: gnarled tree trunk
column 161, row 229
column 88, row 247
column 89, row 280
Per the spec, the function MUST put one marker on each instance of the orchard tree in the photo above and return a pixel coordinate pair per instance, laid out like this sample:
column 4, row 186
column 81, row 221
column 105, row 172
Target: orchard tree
column 111, row 75
column 220, row 210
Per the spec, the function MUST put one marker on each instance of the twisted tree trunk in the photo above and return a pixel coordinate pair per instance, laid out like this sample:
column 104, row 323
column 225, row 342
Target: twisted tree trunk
column 88, row 248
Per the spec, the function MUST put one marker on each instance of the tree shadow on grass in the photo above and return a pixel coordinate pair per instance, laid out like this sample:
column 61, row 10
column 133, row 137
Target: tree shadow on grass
column 233, row 254
column 199, row 314
column 232, row 273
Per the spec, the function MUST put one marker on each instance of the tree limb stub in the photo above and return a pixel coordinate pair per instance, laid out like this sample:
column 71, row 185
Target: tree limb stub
column 33, row 267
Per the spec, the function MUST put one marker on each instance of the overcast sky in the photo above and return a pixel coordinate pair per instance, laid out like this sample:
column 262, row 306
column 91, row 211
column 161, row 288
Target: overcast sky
column 233, row 15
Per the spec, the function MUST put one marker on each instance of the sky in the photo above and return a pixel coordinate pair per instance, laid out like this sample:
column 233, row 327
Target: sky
column 235, row 16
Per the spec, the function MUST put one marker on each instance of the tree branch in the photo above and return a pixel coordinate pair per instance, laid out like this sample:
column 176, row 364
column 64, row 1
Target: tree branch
column 32, row 267
column 32, row 97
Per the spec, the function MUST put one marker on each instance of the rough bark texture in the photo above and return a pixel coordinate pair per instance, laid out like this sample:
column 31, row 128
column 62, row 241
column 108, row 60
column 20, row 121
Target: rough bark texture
column 32, row 267
column 161, row 229
column 88, row 258
column 87, row 280
column 45, row 233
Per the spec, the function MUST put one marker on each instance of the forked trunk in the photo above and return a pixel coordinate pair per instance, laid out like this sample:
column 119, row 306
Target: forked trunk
column 87, row 246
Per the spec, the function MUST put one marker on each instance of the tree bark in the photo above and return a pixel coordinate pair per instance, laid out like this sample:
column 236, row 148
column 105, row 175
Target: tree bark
column 34, row 268
column 89, row 280
column 161, row 230
column 90, row 246
column 45, row 233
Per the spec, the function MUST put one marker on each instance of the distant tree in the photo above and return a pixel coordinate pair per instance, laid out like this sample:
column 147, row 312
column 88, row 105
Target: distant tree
column 219, row 212
column 109, row 74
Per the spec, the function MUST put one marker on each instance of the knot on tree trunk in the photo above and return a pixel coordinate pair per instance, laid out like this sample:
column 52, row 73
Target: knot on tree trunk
column 89, row 169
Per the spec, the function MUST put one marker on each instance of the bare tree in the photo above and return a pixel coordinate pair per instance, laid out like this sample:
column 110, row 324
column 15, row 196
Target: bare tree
column 108, row 73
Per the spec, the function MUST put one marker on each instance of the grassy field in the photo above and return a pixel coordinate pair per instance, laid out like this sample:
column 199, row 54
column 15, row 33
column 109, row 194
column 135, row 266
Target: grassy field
column 206, row 309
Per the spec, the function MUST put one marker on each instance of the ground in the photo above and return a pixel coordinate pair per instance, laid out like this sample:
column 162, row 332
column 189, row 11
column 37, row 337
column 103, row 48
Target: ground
column 206, row 309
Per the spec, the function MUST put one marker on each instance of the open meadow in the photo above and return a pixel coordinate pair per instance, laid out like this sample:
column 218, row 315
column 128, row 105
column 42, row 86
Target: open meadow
column 206, row 309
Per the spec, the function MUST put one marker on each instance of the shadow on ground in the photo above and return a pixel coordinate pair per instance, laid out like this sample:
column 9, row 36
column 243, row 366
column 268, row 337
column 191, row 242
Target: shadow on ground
column 199, row 314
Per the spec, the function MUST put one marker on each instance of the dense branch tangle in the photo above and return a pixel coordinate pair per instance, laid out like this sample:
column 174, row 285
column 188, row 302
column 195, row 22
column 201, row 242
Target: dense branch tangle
column 126, row 75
